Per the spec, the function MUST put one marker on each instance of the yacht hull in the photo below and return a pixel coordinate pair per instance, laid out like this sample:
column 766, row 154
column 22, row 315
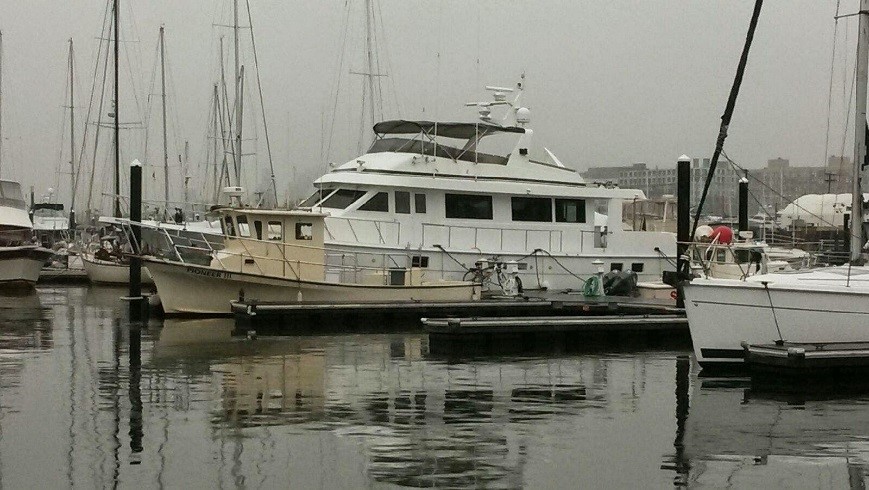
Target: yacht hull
column 191, row 289
column 21, row 265
column 722, row 314
column 105, row 272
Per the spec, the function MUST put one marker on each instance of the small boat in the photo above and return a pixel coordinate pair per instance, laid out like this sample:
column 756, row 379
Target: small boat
column 279, row 255
column 113, row 270
column 20, row 259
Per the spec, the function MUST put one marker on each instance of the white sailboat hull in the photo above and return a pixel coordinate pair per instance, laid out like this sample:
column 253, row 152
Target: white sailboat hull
column 21, row 265
column 724, row 313
column 105, row 272
column 191, row 289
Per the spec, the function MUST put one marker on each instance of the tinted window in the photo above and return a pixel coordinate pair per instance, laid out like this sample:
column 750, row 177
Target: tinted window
column 532, row 209
column 342, row 198
column 402, row 202
column 468, row 206
column 570, row 210
column 258, row 229
column 419, row 202
column 379, row 202
column 315, row 198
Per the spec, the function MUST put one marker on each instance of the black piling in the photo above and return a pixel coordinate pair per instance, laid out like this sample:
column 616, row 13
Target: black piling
column 136, row 300
column 743, row 203
column 683, row 218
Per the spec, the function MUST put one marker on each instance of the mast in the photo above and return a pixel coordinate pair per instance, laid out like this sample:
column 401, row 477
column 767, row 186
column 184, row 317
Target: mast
column 216, row 131
column 1, row 102
column 117, row 207
column 71, row 133
column 239, row 72
column 370, row 49
column 165, row 140
column 859, row 132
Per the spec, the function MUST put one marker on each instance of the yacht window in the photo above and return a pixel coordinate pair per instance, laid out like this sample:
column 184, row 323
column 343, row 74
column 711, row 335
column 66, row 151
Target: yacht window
column 570, row 210
column 316, row 197
column 638, row 266
column 419, row 203
column 420, row 261
column 617, row 266
column 243, row 227
column 721, row 255
column 468, row 206
column 342, row 198
column 379, row 202
column 402, row 202
column 258, row 229
column 532, row 209
column 10, row 190
column 275, row 231
column 304, row 231
column 742, row 256
column 230, row 229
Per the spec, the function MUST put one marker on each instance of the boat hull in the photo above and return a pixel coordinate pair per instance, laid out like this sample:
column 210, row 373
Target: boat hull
column 191, row 289
column 723, row 314
column 22, row 265
column 105, row 272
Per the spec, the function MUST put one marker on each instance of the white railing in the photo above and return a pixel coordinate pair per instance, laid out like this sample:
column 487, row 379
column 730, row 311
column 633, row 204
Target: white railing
column 504, row 239
column 367, row 231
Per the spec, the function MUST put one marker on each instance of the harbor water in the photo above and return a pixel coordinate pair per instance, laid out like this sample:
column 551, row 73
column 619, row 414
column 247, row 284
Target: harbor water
column 89, row 399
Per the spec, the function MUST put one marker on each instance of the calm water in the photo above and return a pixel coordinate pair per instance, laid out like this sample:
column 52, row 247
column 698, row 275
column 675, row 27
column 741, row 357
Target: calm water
column 200, row 408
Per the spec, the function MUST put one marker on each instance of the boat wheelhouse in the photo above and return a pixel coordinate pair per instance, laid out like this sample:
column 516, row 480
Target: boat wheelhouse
column 446, row 192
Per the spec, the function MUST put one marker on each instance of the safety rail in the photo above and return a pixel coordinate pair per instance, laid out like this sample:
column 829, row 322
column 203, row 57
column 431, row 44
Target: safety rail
column 378, row 227
column 554, row 238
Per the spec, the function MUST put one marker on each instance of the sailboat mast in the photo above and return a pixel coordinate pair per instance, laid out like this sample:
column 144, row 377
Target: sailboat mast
column 165, row 140
column 862, row 74
column 370, row 48
column 117, row 207
column 1, row 102
column 71, row 126
column 238, row 96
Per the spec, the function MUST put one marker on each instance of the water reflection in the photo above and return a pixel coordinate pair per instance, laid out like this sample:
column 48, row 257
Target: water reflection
column 89, row 399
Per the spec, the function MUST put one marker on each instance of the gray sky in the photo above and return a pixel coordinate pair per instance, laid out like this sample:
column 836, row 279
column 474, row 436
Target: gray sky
column 609, row 82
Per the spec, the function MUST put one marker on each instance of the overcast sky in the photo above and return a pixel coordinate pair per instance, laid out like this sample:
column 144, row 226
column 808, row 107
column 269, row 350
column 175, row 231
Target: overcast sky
column 609, row 82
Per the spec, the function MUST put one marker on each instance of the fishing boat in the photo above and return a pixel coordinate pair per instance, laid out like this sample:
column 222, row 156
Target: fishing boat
column 279, row 255
column 812, row 305
column 20, row 259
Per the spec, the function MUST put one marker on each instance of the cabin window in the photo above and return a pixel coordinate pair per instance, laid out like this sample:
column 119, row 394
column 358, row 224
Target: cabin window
column 721, row 255
column 637, row 267
column 378, row 202
column 229, row 228
column 275, row 229
column 419, row 203
column 402, row 202
column 316, row 197
column 617, row 266
column 342, row 198
column 570, row 210
column 419, row 261
column 258, row 229
column 468, row 206
column 304, row 231
column 243, row 227
column 532, row 209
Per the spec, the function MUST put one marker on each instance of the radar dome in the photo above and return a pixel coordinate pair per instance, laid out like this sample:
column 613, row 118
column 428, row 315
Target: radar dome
column 523, row 115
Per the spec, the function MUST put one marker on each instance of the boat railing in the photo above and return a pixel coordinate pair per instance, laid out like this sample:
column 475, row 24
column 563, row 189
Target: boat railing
column 337, row 265
column 480, row 237
column 382, row 228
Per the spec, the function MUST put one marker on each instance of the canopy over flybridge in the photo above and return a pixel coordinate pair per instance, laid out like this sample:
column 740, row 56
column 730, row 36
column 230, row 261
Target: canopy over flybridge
column 445, row 129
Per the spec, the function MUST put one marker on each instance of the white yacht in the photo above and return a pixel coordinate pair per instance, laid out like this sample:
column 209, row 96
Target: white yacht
column 444, row 194
column 20, row 259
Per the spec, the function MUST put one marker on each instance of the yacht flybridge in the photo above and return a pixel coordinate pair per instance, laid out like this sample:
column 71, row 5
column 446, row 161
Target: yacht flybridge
column 444, row 195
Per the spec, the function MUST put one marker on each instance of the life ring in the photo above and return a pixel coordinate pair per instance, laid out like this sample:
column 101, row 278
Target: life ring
column 674, row 294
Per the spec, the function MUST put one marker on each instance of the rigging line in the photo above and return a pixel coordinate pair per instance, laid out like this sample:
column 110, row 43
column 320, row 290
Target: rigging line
column 728, row 111
column 830, row 90
column 851, row 94
column 338, row 82
column 147, row 114
column 388, row 62
column 90, row 102
column 262, row 105
column 100, row 110
column 62, row 129
column 377, row 42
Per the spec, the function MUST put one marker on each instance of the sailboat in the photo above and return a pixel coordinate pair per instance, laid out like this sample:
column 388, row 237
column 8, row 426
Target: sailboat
column 815, row 305
column 20, row 259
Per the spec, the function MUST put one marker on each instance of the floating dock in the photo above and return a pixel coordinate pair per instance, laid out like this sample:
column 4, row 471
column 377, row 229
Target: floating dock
column 553, row 312
column 801, row 359
column 520, row 325
column 62, row 276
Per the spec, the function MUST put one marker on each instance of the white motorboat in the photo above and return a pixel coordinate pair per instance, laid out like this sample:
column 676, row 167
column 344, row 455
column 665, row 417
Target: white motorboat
column 272, row 255
column 813, row 305
column 20, row 259
column 452, row 193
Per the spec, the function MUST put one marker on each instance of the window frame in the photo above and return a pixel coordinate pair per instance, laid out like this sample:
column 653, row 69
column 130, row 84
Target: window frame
column 402, row 205
column 514, row 200
column 465, row 210
column 377, row 196
column 581, row 208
